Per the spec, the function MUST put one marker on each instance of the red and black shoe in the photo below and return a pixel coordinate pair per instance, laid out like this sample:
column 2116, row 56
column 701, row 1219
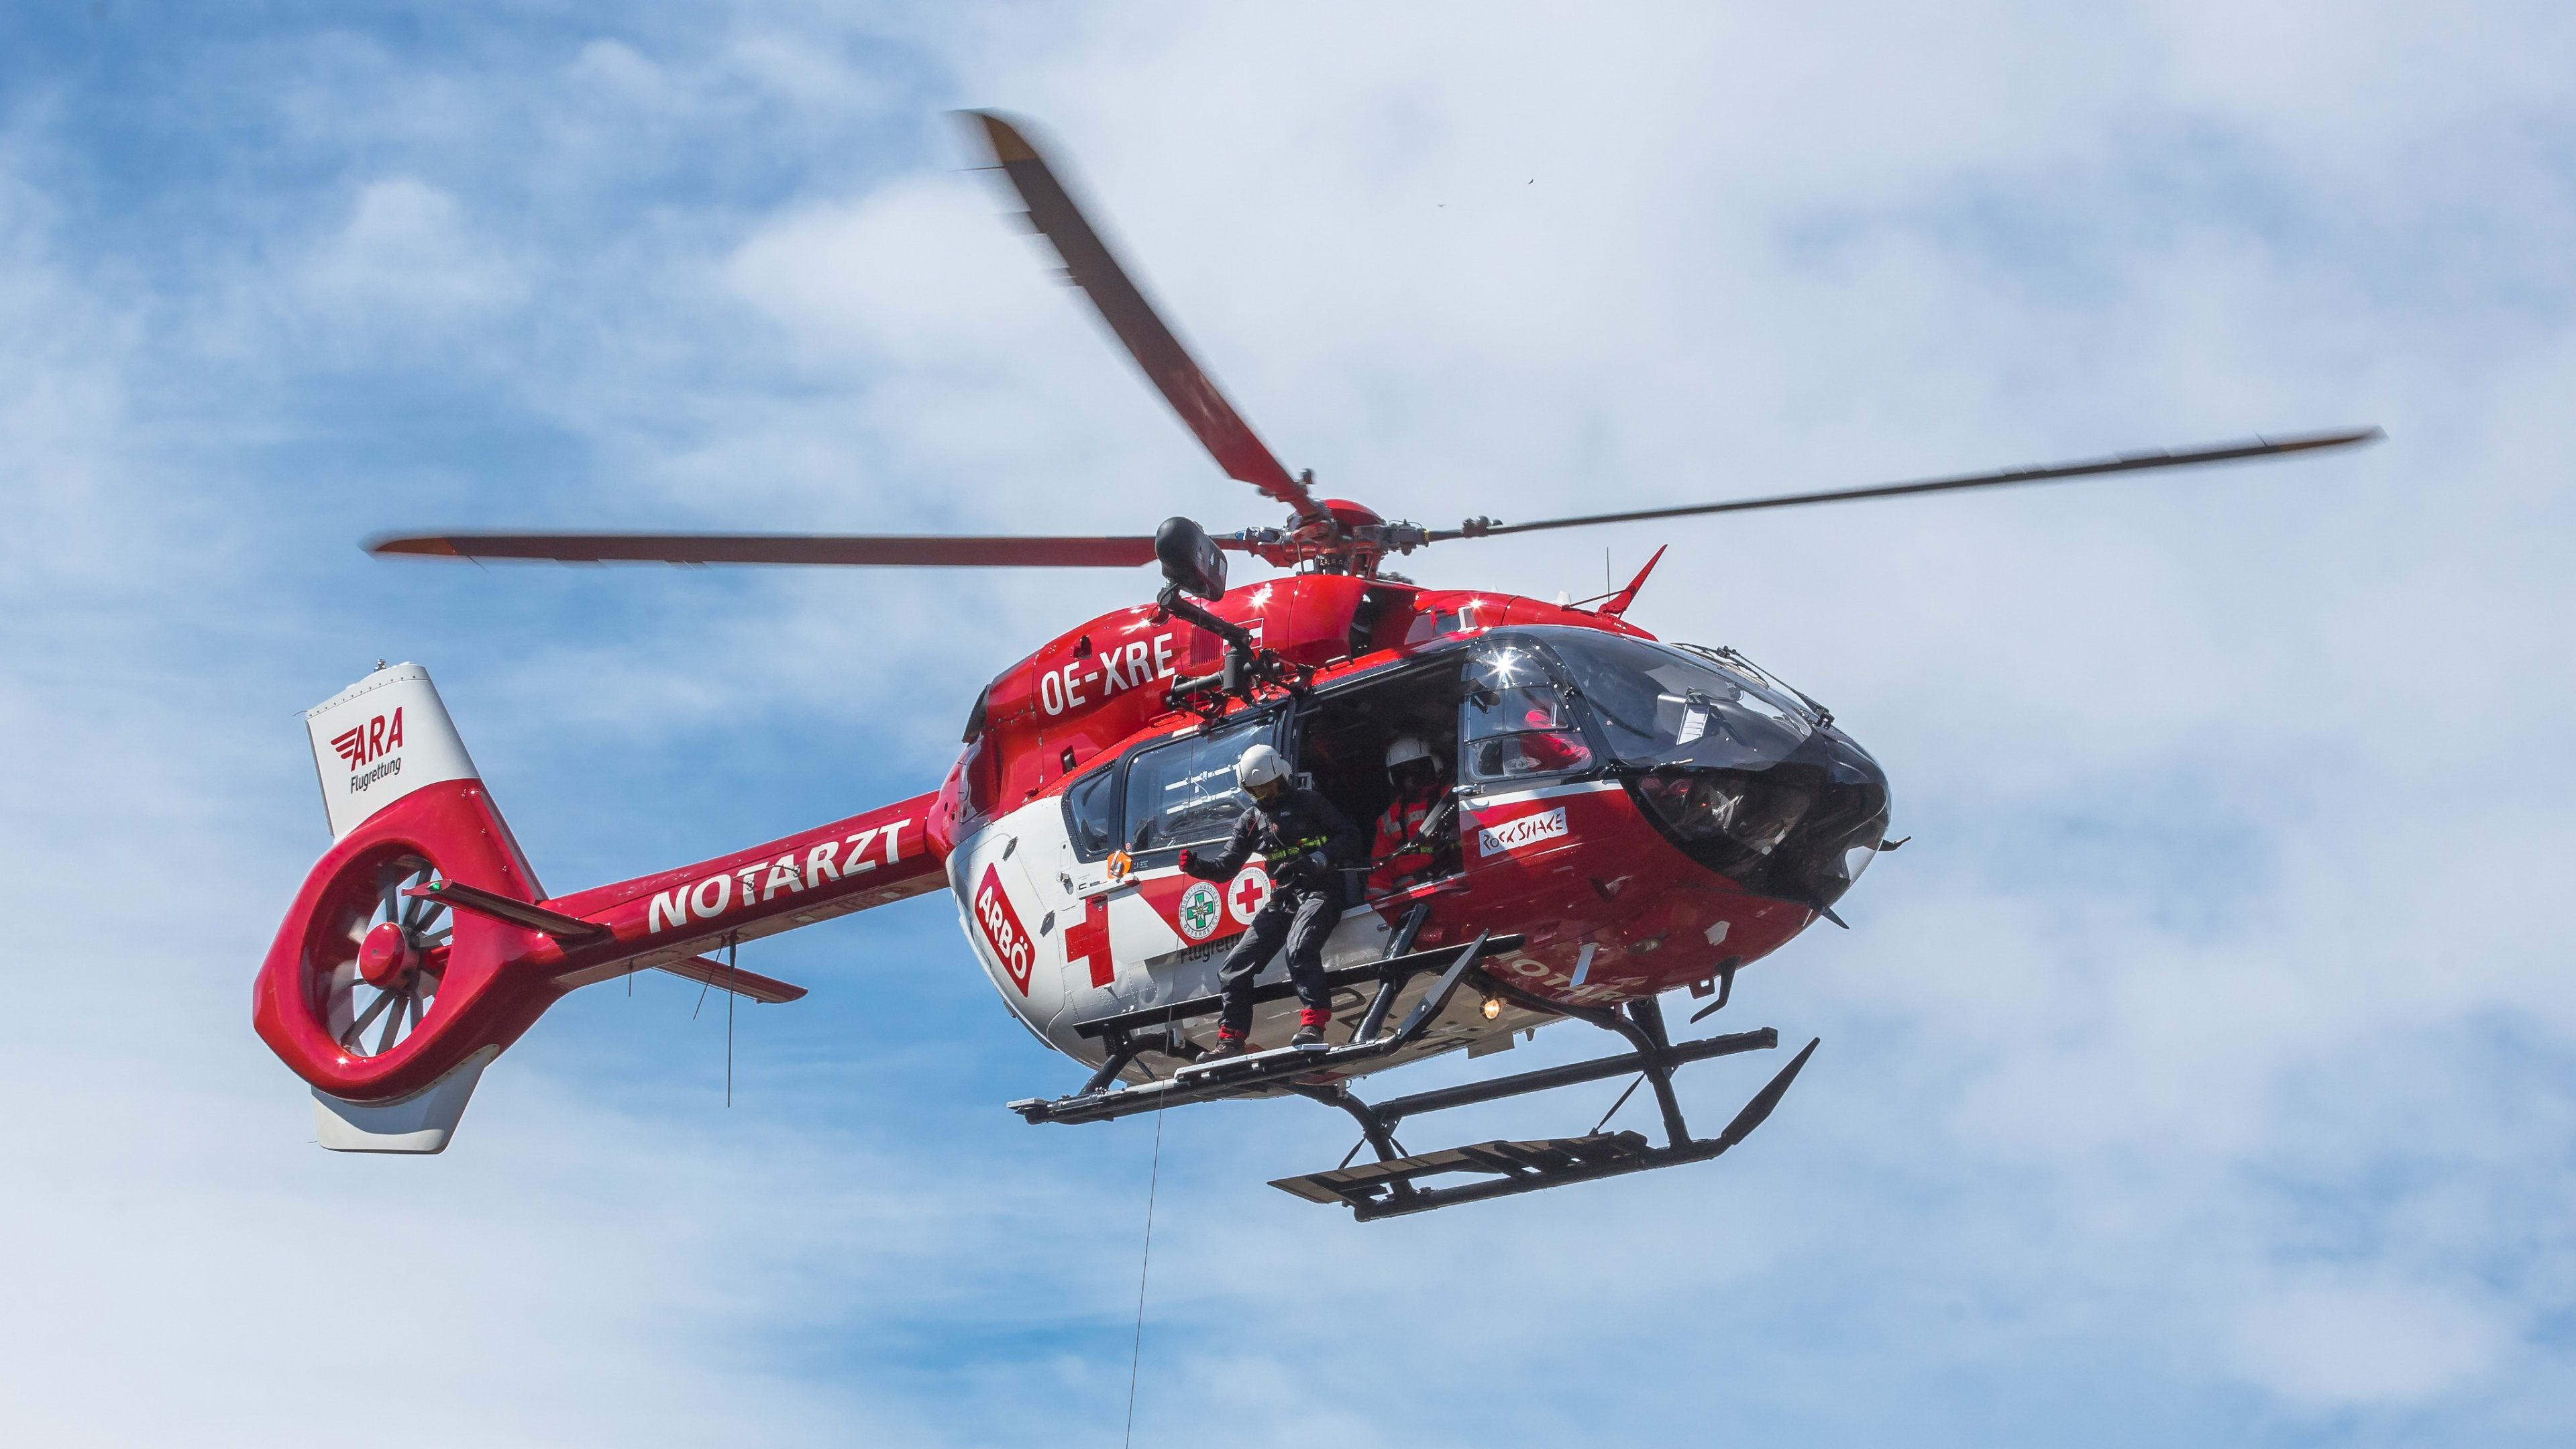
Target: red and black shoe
column 1229, row 1043
column 1310, row 1029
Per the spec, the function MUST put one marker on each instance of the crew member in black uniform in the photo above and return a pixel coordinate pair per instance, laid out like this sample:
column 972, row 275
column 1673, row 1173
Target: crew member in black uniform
column 1305, row 842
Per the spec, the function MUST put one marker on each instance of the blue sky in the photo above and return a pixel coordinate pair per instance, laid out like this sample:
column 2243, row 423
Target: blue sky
column 2206, row 1070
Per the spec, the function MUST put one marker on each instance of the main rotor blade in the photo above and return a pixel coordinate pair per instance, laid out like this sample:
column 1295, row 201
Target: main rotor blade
column 875, row 550
column 1167, row 364
column 2123, row 463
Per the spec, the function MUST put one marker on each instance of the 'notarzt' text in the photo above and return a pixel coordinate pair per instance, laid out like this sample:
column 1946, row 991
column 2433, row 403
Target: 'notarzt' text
column 765, row 880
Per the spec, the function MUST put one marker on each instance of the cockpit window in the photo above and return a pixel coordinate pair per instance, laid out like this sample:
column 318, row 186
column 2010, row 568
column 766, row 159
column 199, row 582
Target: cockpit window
column 1516, row 721
column 1091, row 814
column 1658, row 705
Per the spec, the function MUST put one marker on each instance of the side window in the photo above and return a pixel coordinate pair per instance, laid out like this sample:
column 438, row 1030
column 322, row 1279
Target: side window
column 1183, row 792
column 1515, row 722
column 1091, row 814
column 983, row 776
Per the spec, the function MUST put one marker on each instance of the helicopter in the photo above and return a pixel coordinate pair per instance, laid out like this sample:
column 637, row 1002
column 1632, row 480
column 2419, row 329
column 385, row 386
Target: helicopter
column 1621, row 817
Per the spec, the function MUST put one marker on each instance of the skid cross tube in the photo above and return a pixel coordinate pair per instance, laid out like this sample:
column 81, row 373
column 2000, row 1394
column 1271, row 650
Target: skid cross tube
column 1395, row 1110
column 1375, row 1126
column 1124, row 1049
column 1642, row 1024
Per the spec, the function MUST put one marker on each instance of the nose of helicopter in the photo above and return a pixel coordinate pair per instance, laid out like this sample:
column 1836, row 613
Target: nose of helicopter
column 1802, row 829
column 1844, row 832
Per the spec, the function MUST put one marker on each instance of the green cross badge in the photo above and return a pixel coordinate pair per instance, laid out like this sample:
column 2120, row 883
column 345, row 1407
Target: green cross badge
column 1199, row 911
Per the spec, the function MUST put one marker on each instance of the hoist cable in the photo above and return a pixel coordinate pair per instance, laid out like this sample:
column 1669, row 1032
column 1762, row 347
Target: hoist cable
column 1136, row 1355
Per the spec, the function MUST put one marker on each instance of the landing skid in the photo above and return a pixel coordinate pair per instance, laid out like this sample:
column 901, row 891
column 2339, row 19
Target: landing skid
column 1392, row 1186
column 1389, row 1187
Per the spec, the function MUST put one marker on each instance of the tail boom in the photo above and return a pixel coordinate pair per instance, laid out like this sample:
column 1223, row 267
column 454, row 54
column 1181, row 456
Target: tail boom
column 425, row 903
column 662, row 921
column 499, row 974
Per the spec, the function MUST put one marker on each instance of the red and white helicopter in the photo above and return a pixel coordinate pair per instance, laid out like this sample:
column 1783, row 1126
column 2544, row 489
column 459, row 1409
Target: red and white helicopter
column 1624, row 817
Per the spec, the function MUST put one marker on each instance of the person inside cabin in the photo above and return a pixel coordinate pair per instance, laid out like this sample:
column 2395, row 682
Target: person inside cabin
column 1304, row 843
column 1405, row 850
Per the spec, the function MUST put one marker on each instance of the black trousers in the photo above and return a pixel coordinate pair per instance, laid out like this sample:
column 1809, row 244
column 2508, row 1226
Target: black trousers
column 1302, row 917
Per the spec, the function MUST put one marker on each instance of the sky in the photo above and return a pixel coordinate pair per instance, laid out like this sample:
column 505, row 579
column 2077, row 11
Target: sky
column 2203, row 1071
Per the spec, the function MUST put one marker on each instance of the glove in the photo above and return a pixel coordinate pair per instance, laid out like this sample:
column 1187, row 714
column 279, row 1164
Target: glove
column 1184, row 859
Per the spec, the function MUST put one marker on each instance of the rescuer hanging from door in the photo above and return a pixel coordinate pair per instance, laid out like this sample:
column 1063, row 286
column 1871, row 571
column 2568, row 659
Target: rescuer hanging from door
column 1306, row 842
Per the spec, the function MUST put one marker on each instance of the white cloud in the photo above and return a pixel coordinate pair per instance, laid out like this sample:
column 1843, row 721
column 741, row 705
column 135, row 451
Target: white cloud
column 2344, row 1346
column 407, row 254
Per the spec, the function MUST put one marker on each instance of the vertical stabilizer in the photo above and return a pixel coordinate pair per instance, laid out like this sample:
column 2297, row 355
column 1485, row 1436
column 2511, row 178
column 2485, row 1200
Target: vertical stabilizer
column 379, row 740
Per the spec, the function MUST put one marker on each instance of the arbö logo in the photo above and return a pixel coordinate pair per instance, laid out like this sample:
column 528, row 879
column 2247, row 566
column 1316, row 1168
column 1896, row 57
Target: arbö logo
column 1002, row 930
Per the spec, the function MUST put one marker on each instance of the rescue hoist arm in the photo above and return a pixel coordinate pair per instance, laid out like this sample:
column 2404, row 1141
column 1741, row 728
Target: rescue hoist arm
column 1247, row 666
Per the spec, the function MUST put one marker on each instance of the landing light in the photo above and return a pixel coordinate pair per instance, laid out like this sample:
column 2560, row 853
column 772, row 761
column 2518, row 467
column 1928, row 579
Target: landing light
column 1493, row 1008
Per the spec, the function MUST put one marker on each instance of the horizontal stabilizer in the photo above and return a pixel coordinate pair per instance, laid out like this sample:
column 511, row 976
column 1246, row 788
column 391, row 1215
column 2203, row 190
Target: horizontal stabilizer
column 705, row 970
column 516, row 912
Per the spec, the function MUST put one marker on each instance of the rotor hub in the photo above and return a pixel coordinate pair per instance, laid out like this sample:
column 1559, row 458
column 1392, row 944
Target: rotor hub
column 386, row 956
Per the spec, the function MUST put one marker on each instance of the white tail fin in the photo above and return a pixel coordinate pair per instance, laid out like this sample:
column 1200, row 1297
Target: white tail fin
column 380, row 739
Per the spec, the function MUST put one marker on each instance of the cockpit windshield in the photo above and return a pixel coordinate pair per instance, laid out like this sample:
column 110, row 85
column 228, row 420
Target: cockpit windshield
column 1660, row 706
column 1747, row 776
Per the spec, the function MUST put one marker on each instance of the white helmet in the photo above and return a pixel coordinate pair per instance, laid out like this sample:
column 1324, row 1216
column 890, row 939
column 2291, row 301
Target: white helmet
column 1259, row 769
column 1406, row 749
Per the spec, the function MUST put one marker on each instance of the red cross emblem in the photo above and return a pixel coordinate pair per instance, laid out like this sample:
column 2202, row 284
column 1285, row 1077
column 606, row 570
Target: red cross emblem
column 1249, row 893
column 1090, row 939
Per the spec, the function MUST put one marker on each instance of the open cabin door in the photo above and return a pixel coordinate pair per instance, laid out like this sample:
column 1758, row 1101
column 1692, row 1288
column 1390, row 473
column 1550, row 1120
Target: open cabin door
column 1153, row 934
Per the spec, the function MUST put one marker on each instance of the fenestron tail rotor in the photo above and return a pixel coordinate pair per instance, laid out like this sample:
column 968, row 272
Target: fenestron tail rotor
column 375, row 1001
